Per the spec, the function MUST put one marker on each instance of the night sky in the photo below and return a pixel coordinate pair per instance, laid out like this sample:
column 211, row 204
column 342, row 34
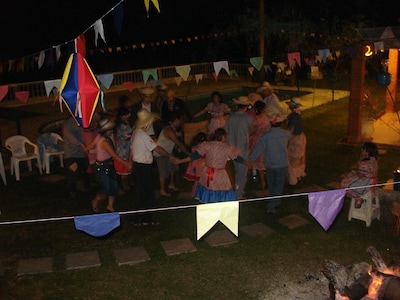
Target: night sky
column 27, row 27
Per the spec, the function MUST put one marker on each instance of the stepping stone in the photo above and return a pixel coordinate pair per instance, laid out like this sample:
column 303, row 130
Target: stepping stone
column 293, row 221
column 35, row 266
column 179, row 246
column 311, row 189
column 82, row 260
column 52, row 178
column 221, row 237
column 131, row 256
column 257, row 230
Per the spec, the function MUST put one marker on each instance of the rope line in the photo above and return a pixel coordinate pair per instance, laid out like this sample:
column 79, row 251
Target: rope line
column 129, row 212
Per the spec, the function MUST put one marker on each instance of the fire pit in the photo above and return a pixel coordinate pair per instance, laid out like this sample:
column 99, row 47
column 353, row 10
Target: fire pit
column 363, row 281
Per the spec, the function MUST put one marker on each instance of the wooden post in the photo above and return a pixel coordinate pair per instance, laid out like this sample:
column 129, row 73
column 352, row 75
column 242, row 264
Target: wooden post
column 356, row 96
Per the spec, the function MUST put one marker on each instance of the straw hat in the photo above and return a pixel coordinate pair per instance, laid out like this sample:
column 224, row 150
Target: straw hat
column 254, row 97
column 106, row 124
column 265, row 85
column 293, row 103
column 146, row 91
column 145, row 118
column 242, row 100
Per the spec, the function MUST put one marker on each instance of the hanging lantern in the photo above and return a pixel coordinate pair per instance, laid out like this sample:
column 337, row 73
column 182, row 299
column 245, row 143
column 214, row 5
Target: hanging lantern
column 384, row 78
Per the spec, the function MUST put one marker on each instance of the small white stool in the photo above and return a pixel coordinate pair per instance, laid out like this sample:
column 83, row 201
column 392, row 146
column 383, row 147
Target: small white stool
column 369, row 210
column 2, row 172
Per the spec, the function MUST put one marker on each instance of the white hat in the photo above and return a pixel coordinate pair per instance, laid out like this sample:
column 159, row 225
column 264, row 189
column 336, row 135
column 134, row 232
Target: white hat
column 265, row 85
column 106, row 124
column 242, row 100
column 145, row 118
column 146, row 91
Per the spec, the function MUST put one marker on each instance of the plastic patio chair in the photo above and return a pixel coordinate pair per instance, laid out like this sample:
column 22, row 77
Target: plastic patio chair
column 17, row 145
column 49, row 145
column 2, row 172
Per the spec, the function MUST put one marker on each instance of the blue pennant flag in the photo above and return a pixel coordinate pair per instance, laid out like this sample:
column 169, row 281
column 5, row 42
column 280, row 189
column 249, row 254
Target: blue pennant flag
column 97, row 225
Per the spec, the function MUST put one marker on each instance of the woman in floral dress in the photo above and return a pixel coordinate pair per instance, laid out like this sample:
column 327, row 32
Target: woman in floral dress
column 214, row 184
column 123, row 143
column 365, row 175
column 217, row 111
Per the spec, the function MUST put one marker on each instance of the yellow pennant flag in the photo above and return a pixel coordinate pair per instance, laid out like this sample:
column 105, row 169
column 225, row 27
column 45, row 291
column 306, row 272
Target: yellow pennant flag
column 209, row 214
column 147, row 5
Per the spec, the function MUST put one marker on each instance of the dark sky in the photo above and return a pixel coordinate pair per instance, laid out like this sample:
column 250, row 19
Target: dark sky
column 29, row 26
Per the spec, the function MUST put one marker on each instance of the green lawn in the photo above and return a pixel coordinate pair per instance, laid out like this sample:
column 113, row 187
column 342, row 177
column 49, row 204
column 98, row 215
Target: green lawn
column 245, row 270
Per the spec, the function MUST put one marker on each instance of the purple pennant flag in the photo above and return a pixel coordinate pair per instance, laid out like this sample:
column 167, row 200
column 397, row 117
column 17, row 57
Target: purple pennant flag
column 97, row 225
column 325, row 206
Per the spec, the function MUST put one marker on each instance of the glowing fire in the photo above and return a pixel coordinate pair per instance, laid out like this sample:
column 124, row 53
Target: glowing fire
column 374, row 286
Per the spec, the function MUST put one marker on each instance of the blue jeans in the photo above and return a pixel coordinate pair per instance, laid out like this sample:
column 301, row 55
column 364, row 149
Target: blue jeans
column 276, row 178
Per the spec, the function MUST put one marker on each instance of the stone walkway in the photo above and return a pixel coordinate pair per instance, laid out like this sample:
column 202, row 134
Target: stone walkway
column 136, row 255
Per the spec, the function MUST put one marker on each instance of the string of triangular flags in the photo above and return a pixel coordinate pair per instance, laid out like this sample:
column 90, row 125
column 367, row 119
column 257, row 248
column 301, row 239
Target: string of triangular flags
column 323, row 206
column 52, row 86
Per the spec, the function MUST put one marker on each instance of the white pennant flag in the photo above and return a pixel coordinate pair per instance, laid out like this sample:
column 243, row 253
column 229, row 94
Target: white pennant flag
column 221, row 65
column 98, row 30
column 209, row 214
column 50, row 84
column 198, row 77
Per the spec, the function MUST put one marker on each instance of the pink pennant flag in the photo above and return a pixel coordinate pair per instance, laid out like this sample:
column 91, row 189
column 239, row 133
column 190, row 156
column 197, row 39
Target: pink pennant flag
column 129, row 85
column 215, row 75
column 294, row 57
column 3, row 91
column 22, row 96
column 324, row 206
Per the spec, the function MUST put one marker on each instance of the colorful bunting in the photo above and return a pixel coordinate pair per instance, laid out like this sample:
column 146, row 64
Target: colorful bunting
column 98, row 30
column 118, row 17
column 50, row 84
column 221, row 65
column 147, row 5
column 80, row 45
column 183, row 71
column 198, row 77
column 22, row 96
column 42, row 56
column 178, row 80
column 251, row 70
column 106, row 79
column 207, row 215
column 257, row 62
column 3, row 91
column 294, row 58
column 325, row 206
column 129, row 85
column 149, row 72
column 324, row 53
column 97, row 225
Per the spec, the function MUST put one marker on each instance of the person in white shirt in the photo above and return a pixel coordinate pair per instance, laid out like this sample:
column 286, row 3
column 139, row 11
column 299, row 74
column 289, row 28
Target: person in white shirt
column 142, row 147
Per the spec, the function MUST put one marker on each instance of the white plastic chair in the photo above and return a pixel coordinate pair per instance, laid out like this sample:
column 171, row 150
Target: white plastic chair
column 17, row 145
column 369, row 210
column 49, row 144
column 2, row 172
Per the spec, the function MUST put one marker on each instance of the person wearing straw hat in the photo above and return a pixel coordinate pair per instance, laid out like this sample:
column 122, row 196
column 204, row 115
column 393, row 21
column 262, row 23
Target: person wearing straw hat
column 146, row 102
column 273, row 106
column 297, row 144
column 142, row 148
column 239, row 126
column 273, row 146
column 104, row 165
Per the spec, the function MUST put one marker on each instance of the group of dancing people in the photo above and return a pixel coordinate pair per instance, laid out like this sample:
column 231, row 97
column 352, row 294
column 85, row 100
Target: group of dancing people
column 126, row 144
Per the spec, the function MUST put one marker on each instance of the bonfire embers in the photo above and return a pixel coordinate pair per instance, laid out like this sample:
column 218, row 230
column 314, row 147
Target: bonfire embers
column 362, row 281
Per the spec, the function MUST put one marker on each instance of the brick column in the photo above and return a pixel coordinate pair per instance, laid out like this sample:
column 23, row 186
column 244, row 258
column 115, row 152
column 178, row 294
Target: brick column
column 356, row 96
